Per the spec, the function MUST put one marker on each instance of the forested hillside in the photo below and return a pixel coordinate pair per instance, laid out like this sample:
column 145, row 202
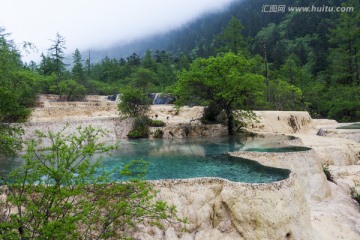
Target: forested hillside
column 307, row 61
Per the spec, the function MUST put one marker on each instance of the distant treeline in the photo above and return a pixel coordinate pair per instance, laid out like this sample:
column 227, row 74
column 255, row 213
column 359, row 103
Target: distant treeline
column 310, row 61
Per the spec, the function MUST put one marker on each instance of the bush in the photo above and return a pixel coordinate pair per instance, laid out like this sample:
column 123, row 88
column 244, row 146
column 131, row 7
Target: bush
column 156, row 123
column 158, row 133
column 61, row 193
column 354, row 194
column 140, row 129
column 133, row 102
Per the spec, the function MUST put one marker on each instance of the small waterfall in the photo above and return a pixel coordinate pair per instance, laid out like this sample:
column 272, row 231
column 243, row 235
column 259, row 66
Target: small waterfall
column 159, row 98
column 156, row 97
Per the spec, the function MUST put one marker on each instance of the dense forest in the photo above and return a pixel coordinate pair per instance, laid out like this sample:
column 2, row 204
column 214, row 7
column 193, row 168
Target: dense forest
column 308, row 61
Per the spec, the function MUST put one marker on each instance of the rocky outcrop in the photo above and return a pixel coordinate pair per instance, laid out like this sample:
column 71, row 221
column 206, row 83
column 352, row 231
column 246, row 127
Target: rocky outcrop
column 188, row 130
column 220, row 209
column 286, row 122
column 116, row 128
column 305, row 164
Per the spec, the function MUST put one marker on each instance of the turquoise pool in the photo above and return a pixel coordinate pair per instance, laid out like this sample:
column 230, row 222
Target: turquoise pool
column 191, row 158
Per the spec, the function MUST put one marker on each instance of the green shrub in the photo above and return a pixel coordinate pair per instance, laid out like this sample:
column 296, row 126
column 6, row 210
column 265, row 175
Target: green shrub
column 354, row 194
column 140, row 129
column 62, row 193
column 328, row 173
column 158, row 133
column 156, row 123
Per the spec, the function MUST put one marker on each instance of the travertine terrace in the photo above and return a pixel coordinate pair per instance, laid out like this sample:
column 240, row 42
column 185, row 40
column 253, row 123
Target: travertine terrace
column 304, row 206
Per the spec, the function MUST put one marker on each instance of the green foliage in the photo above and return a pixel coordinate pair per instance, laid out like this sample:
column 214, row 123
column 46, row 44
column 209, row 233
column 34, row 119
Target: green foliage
column 18, row 86
column 211, row 114
column 327, row 173
column 343, row 103
column 345, row 55
column 78, row 69
column 285, row 96
column 155, row 123
column 62, row 193
column 140, row 128
column 57, row 55
column 70, row 89
column 158, row 133
column 143, row 79
column 231, row 39
column 102, row 88
column 133, row 102
column 10, row 140
column 354, row 194
column 226, row 81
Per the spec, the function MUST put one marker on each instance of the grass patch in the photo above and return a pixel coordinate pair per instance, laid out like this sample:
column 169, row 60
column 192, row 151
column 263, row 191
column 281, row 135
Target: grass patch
column 156, row 123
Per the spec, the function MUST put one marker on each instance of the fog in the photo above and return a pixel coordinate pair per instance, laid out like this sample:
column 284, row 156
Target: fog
column 96, row 23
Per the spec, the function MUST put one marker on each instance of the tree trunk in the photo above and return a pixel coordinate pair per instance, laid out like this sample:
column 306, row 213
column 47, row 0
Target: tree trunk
column 230, row 122
column 356, row 66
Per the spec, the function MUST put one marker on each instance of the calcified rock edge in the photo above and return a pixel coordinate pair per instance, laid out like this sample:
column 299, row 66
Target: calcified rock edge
column 303, row 206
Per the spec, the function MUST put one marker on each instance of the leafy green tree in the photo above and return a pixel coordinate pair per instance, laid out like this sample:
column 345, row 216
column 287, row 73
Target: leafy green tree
column 286, row 97
column 70, row 89
column 18, row 87
column 226, row 81
column 143, row 79
column 133, row 102
column 343, row 103
column 62, row 193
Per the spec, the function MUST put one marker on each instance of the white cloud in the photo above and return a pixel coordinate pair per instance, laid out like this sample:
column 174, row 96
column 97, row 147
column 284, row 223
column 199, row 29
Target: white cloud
column 97, row 23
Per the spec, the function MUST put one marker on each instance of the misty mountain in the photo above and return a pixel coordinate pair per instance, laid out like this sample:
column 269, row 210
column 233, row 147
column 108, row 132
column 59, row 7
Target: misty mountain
column 197, row 32
column 201, row 31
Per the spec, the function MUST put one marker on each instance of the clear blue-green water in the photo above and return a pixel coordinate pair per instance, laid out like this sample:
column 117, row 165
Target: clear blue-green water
column 278, row 149
column 190, row 158
column 350, row 126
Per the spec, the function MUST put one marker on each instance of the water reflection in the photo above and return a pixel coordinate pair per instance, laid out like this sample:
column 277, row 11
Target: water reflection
column 189, row 158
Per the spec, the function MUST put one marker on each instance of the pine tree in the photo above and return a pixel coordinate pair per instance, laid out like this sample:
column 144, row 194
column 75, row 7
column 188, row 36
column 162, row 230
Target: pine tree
column 78, row 69
column 56, row 52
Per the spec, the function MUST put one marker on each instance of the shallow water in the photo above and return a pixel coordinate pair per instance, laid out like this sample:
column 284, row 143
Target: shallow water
column 278, row 149
column 190, row 158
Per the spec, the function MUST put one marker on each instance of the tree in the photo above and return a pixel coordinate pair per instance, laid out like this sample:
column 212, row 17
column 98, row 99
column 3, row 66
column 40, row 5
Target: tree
column 78, row 69
column 18, row 87
column 231, row 38
column 62, row 193
column 286, row 96
column 148, row 61
column 56, row 52
column 70, row 89
column 143, row 79
column 224, row 80
column 345, row 55
column 133, row 102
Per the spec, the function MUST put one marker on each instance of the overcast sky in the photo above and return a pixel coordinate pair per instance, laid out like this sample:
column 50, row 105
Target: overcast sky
column 97, row 23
